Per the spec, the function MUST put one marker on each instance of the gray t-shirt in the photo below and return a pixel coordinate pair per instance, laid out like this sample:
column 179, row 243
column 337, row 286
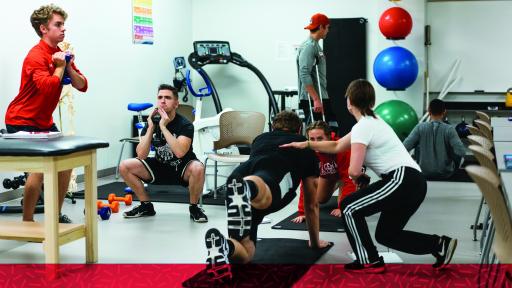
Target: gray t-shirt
column 309, row 57
column 439, row 149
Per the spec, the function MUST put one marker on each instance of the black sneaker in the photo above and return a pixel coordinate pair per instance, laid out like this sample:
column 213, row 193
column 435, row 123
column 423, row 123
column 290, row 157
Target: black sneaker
column 444, row 256
column 238, row 206
column 140, row 211
column 217, row 262
column 63, row 218
column 374, row 267
column 197, row 214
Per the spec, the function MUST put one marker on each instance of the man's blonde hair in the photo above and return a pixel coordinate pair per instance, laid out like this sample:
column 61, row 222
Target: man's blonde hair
column 43, row 15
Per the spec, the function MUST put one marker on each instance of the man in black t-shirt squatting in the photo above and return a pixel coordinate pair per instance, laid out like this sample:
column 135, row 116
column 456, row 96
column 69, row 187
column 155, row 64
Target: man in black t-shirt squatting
column 174, row 163
column 253, row 191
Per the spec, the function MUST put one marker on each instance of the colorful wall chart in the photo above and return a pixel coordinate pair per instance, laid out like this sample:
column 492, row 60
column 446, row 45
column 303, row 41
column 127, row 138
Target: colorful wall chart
column 142, row 21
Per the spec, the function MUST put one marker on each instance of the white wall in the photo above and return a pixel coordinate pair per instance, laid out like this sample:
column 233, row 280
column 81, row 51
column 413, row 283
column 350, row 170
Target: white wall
column 118, row 71
column 257, row 28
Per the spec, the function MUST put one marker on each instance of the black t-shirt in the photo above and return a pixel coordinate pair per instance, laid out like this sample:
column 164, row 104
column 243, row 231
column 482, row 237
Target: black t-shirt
column 179, row 126
column 266, row 155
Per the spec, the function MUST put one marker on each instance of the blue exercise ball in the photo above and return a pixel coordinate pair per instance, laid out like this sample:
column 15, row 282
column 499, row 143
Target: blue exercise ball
column 395, row 68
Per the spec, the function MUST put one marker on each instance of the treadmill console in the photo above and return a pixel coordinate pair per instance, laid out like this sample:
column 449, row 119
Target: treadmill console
column 215, row 52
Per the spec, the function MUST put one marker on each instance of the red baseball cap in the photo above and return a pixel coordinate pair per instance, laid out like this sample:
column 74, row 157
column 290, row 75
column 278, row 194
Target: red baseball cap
column 317, row 20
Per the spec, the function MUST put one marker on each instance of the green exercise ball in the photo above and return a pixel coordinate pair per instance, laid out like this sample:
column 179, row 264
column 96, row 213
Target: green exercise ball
column 399, row 115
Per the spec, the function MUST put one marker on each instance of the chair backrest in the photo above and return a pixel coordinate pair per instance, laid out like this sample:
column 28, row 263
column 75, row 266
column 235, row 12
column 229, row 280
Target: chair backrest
column 484, row 157
column 481, row 141
column 489, row 186
column 485, row 128
column 475, row 131
column 186, row 111
column 484, row 116
column 239, row 127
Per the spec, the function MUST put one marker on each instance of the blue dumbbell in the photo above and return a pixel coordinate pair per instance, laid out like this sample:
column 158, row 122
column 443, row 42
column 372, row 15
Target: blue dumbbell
column 66, row 80
column 104, row 213
column 128, row 190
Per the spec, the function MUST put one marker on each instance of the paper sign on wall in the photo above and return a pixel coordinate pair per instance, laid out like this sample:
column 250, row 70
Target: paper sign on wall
column 142, row 11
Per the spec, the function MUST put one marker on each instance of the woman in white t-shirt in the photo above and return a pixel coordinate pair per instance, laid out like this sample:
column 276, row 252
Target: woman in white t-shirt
column 397, row 195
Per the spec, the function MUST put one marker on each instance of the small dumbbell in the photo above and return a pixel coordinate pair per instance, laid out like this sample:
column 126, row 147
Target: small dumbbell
column 128, row 190
column 10, row 184
column 104, row 213
column 20, row 179
column 114, row 206
column 127, row 199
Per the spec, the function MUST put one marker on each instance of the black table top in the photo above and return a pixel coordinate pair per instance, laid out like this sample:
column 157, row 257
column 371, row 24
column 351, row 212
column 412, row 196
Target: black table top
column 49, row 147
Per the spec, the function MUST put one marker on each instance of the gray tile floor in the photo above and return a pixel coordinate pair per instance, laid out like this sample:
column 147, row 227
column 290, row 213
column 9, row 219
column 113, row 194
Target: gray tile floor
column 171, row 237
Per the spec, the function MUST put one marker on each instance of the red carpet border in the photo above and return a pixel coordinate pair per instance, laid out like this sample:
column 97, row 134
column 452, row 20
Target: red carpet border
column 251, row 275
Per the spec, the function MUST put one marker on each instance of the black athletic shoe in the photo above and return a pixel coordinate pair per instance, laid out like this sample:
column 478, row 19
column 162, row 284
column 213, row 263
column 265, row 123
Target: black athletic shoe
column 63, row 218
column 197, row 214
column 140, row 211
column 238, row 206
column 217, row 262
column 374, row 267
column 444, row 256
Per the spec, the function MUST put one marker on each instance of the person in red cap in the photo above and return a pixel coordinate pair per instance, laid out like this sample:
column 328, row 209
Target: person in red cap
column 312, row 71
column 42, row 76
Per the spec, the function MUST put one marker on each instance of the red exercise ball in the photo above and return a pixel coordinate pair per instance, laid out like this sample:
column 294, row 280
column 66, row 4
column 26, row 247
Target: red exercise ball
column 395, row 23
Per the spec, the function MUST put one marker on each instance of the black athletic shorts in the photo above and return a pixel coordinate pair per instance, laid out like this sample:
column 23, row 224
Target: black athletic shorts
column 268, row 176
column 165, row 174
column 18, row 128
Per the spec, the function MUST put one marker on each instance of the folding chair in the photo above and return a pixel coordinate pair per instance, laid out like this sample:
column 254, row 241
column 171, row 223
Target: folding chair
column 489, row 185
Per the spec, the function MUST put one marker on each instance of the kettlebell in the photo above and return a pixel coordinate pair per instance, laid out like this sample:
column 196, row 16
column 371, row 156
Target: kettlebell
column 158, row 138
column 508, row 98
column 462, row 129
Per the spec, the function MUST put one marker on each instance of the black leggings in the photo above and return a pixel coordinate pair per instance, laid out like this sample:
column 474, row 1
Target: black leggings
column 397, row 196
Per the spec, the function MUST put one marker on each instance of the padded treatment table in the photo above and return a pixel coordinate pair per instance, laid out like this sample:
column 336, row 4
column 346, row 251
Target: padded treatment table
column 49, row 156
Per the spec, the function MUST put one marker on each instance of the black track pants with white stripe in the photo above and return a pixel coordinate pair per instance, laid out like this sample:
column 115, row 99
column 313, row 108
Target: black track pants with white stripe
column 397, row 196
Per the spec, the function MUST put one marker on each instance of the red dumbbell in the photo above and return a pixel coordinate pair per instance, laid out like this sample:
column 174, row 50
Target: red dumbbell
column 114, row 205
column 127, row 199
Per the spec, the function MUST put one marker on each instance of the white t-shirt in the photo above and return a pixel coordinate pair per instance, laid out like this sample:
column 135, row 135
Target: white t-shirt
column 384, row 150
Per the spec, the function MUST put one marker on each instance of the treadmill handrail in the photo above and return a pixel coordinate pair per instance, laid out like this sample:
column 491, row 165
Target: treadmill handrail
column 240, row 61
column 198, row 62
column 208, row 86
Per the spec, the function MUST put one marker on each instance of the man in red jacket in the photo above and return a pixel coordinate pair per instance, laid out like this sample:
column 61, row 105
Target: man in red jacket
column 42, row 75
column 333, row 171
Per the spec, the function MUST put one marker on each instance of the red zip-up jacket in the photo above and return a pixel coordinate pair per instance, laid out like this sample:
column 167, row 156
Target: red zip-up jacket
column 39, row 90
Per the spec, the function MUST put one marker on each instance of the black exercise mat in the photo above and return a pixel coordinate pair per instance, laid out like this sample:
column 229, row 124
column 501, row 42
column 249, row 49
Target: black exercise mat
column 279, row 262
column 328, row 223
column 286, row 251
column 157, row 193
